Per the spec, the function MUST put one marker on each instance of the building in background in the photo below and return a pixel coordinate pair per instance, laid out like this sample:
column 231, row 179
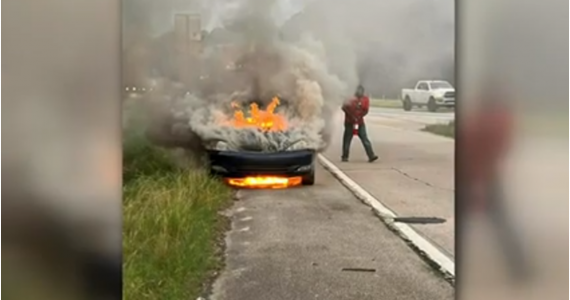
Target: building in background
column 188, row 47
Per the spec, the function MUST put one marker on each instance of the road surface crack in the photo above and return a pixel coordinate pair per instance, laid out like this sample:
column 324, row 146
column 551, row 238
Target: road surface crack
column 421, row 181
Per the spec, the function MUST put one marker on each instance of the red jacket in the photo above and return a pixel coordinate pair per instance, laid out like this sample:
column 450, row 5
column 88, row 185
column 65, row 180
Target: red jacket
column 355, row 110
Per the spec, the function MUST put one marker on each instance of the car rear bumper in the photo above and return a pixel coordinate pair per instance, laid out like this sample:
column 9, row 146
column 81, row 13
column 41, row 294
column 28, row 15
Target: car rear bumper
column 234, row 164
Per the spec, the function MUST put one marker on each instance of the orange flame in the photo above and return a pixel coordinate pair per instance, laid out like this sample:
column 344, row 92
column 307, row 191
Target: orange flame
column 266, row 120
column 265, row 182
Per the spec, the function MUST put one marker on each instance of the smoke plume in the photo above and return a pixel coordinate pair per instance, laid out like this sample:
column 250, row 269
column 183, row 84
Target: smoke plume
column 311, row 54
column 268, row 66
column 308, row 93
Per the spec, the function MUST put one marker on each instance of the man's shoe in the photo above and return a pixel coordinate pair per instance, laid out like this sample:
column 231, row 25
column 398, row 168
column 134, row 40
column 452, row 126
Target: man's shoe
column 373, row 159
column 344, row 159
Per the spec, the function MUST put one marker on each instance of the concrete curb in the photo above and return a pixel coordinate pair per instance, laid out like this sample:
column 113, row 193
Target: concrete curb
column 435, row 257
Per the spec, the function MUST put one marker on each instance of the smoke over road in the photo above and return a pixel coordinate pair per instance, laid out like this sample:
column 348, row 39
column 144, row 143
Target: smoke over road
column 387, row 45
column 311, row 54
column 308, row 93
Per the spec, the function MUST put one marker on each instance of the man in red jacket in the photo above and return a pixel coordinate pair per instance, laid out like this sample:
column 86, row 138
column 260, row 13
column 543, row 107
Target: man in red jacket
column 354, row 112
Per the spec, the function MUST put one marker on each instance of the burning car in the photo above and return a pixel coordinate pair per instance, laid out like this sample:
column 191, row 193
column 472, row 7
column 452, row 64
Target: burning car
column 259, row 168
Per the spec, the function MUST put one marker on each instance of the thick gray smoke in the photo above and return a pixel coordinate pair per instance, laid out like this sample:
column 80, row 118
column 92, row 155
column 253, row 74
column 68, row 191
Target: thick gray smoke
column 294, row 72
column 387, row 45
column 311, row 54
column 267, row 66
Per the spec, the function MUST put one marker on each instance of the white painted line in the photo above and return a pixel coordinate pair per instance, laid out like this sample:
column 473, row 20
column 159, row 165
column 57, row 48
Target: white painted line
column 445, row 263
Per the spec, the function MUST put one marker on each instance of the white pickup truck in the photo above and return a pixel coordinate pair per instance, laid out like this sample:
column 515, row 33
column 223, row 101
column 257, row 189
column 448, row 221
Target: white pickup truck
column 431, row 93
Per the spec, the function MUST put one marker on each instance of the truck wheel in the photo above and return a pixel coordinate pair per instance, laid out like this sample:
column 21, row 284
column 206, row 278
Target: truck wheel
column 432, row 106
column 309, row 179
column 407, row 104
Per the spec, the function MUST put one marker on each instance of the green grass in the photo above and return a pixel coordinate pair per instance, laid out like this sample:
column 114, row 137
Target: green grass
column 386, row 103
column 447, row 130
column 171, row 224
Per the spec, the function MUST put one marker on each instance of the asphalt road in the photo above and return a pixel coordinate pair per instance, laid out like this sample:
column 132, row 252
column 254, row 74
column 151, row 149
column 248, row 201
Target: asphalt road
column 414, row 176
column 294, row 244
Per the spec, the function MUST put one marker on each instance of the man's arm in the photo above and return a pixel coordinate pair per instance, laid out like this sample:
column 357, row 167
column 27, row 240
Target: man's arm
column 365, row 105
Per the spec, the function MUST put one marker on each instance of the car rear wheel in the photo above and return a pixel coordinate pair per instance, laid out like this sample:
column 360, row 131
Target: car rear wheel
column 432, row 106
column 407, row 104
column 309, row 179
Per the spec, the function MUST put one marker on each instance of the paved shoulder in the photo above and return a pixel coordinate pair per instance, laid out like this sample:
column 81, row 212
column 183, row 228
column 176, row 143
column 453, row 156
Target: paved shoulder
column 414, row 176
column 319, row 243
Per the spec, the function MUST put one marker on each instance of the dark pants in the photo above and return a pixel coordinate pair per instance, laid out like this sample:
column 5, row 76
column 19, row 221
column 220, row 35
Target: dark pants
column 347, row 139
column 506, row 235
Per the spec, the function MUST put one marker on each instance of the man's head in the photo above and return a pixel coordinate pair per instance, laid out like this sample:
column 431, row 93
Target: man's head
column 359, row 91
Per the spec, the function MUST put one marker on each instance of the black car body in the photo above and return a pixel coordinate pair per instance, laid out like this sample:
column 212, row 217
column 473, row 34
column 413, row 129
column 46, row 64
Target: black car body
column 242, row 164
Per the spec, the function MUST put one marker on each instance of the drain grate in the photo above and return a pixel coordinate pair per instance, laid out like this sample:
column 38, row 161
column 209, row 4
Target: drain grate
column 420, row 220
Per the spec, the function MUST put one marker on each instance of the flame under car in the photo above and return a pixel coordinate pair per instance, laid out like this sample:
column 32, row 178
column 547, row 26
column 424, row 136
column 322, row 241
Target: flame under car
column 250, row 169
